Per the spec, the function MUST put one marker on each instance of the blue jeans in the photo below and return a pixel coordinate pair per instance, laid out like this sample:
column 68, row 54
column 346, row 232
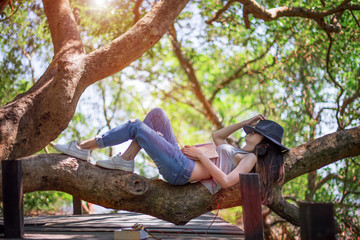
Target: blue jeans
column 155, row 135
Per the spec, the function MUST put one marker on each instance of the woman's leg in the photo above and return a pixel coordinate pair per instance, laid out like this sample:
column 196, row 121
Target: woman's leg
column 157, row 120
column 173, row 165
column 156, row 137
column 88, row 144
column 131, row 152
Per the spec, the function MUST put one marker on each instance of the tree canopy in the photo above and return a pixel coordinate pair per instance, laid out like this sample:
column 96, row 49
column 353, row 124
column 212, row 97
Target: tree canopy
column 208, row 64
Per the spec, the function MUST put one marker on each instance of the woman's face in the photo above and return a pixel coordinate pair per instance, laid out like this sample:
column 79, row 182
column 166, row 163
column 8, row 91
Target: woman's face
column 253, row 138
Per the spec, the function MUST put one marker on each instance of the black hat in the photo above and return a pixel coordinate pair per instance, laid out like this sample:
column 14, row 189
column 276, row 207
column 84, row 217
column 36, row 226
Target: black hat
column 269, row 129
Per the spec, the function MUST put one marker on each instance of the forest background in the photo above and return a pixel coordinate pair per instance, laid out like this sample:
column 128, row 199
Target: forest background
column 210, row 70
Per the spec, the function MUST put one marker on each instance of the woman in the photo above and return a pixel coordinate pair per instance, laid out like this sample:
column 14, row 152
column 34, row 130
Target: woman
column 262, row 152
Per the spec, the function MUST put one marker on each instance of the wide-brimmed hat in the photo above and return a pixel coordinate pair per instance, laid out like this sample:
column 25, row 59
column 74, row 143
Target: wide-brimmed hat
column 269, row 129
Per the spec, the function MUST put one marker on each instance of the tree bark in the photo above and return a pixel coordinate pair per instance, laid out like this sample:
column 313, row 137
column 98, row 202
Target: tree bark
column 254, row 8
column 321, row 152
column 3, row 4
column 118, row 189
column 177, row 204
column 142, row 36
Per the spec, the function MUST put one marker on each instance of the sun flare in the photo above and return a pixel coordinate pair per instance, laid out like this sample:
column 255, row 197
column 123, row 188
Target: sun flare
column 99, row 3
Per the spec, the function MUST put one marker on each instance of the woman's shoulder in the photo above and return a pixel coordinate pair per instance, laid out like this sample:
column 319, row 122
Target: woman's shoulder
column 228, row 147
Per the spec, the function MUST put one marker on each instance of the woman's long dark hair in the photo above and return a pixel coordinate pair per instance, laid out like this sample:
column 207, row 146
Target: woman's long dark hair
column 270, row 167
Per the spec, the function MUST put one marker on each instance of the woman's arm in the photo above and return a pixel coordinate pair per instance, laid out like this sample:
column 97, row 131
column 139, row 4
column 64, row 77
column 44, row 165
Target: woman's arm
column 229, row 180
column 222, row 134
column 225, row 180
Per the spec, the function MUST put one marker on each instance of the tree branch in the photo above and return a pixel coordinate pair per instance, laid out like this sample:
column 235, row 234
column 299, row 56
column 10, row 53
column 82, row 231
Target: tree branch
column 3, row 4
column 196, row 86
column 321, row 152
column 45, row 110
column 238, row 73
column 326, row 179
column 121, row 190
column 350, row 99
column 29, row 57
column 352, row 224
column 117, row 189
column 63, row 28
column 116, row 55
column 251, row 6
column 220, row 12
column 283, row 208
column 357, row 22
column 136, row 10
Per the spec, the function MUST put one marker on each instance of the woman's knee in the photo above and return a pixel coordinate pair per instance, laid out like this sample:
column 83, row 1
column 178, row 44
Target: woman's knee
column 156, row 113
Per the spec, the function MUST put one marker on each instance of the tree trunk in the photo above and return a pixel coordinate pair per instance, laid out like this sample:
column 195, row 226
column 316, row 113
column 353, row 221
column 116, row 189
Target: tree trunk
column 38, row 116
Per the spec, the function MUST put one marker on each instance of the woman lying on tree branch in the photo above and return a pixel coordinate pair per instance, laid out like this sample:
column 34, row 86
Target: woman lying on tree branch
column 262, row 152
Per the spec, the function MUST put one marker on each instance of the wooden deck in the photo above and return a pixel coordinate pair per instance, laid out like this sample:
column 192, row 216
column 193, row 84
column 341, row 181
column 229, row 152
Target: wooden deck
column 102, row 226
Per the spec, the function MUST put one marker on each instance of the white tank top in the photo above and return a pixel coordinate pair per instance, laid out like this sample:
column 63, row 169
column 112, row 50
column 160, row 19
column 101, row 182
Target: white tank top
column 225, row 162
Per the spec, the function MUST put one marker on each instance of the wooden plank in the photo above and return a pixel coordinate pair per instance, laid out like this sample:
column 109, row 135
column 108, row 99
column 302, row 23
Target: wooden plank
column 78, row 226
column 317, row 221
column 110, row 236
column 77, row 209
column 12, row 189
column 251, row 204
column 128, row 219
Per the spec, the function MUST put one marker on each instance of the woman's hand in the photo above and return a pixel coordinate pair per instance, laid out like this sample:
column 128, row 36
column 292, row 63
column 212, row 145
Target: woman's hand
column 254, row 120
column 219, row 136
column 191, row 152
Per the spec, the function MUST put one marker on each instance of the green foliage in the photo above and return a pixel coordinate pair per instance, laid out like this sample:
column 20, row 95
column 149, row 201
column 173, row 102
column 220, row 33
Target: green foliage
column 47, row 202
column 24, row 38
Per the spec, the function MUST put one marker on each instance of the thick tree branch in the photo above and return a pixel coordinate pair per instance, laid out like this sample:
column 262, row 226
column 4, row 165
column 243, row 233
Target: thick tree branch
column 178, row 204
column 142, row 36
column 121, row 190
column 41, row 113
column 321, row 152
column 283, row 208
column 251, row 6
column 63, row 28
